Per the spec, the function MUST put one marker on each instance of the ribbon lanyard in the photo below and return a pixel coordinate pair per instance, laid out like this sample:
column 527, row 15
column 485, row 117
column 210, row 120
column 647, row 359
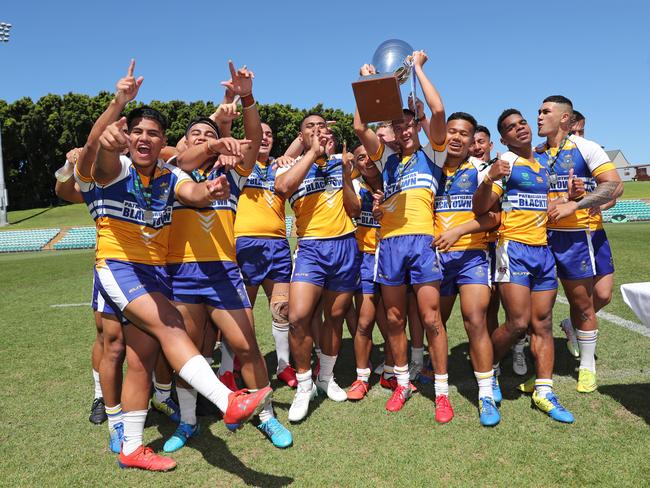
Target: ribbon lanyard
column 552, row 175
column 450, row 181
column 401, row 168
column 142, row 194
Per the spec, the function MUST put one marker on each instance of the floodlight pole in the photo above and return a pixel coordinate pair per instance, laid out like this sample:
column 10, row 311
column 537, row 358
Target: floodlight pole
column 4, row 198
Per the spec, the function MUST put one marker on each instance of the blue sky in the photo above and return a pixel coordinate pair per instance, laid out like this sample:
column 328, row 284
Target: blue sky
column 483, row 56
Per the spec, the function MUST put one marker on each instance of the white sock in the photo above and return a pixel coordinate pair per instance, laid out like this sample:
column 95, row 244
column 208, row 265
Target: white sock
column 187, row 404
column 197, row 373
column 484, row 383
column 98, row 386
column 543, row 386
column 114, row 415
column 227, row 359
column 209, row 360
column 305, row 382
column 389, row 371
column 363, row 374
column 267, row 411
column 326, row 367
column 402, row 375
column 133, row 430
column 587, row 342
column 441, row 382
column 281, row 338
column 417, row 355
column 162, row 391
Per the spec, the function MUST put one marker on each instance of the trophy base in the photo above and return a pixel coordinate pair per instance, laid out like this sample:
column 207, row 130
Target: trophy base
column 378, row 98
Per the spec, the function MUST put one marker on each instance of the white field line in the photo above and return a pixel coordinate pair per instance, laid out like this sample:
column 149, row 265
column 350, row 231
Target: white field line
column 615, row 319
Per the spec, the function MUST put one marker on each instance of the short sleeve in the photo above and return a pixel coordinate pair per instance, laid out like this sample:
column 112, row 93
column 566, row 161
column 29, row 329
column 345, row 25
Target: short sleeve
column 240, row 175
column 595, row 156
column 124, row 172
column 381, row 156
column 436, row 154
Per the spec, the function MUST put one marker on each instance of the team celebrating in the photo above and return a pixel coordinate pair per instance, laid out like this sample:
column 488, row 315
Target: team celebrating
column 390, row 232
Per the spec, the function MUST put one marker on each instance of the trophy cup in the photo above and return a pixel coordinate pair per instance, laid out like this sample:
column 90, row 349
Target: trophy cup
column 378, row 96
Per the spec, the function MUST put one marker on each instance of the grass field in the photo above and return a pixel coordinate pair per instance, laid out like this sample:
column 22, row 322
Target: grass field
column 46, row 439
column 636, row 189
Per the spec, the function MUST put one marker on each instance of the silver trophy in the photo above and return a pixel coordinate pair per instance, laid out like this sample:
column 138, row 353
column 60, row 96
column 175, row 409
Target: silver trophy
column 378, row 96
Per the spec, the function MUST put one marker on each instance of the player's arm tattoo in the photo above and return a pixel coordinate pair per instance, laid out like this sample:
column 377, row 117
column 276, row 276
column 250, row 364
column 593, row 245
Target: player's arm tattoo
column 603, row 193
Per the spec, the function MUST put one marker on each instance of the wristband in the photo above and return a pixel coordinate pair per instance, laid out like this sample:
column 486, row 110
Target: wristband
column 247, row 101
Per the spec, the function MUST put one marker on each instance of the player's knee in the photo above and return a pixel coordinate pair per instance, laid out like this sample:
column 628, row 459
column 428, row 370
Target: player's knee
column 280, row 310
column 602, row 298
column 517, row 326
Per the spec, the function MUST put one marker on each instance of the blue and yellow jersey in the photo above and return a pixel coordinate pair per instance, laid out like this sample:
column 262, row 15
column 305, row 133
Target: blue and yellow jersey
column 367, row 226
column 260, row 210
column 453, row 203
column 410, row 184
column 207, row 234
column 525, row 204
column 318, row 201
column 588, row 160
column 128, row 230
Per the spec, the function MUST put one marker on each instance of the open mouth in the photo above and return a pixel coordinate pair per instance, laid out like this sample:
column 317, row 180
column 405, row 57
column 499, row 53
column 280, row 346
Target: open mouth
column 143, row 150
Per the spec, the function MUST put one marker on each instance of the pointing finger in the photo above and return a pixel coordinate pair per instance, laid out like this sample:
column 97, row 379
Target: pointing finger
column 231, row 66
column 131, row 68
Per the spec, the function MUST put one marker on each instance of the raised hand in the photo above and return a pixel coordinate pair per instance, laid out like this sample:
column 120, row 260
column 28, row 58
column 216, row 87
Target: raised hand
column 348, row 159
column 218, row 189
column 227, row 162
column 240, row 82
column 228, row 146
column 367, row 69
column 114, row 139
column 225, row 113
column 419, row 58
column 127, row 87
column 575, row 186
column 316, row 143
column 377, row 200
column 498, row 169
column 283, row 162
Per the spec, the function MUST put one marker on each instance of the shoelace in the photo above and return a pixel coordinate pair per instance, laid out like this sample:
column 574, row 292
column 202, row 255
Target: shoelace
column 555, row 402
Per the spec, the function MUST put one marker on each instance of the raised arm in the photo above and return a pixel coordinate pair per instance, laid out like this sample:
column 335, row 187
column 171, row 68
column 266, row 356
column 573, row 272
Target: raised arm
column 126, row 90
column 438, row 125
column 241, row 84
column 287, row 182
column 365, row 134
column 485, row 198
column 194, row 156
column 423, row 120
column 200, row 195
column 351, row 201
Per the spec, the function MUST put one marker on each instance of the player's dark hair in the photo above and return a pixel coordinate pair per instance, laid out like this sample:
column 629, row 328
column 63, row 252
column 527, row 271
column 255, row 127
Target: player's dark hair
column 146, row 112
column 504, row 115
column 577, row 116
column 463, row 116
column 310, row 114
column 203, row 120
column 559, row 99
column 482, row 128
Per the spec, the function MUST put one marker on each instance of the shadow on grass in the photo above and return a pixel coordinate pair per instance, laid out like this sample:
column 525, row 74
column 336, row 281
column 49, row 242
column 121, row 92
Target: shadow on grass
column 215, row 451
column 32, row 216
column 634, row 397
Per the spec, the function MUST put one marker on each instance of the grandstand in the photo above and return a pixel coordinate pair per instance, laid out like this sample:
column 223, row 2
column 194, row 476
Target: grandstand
column 26, row 240
column 627, row 211
column 77, row 238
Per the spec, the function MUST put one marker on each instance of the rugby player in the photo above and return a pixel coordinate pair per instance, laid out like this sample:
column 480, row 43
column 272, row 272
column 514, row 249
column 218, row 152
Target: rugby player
column 461, row 243
column 405, row 255
column 206, row 281
column 326, row 265
column 581, row 255
column 132, row 209
column 525, row 267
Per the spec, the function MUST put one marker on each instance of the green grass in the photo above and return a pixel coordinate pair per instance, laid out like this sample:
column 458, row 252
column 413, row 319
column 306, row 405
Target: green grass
column 46, row 439
column 636, row 189
column 69, row 215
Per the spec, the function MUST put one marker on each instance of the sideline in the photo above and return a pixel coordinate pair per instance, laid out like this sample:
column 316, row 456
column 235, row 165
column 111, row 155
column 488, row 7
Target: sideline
column 615, row 319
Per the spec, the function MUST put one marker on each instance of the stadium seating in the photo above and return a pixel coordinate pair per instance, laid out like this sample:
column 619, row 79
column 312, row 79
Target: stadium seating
column 26, row 240
column 77, row 238
column 627, row 211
